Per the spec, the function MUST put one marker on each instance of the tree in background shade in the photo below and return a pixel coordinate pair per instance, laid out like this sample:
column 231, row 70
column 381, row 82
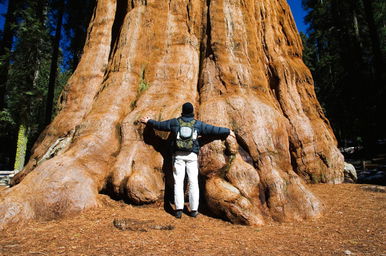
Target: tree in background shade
column 343, row 50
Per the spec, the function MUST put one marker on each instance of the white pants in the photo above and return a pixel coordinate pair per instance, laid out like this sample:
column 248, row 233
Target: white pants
column 186, row 161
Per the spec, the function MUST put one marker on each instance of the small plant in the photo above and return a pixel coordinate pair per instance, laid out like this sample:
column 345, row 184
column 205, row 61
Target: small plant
column 143, row 84
column 133, row 104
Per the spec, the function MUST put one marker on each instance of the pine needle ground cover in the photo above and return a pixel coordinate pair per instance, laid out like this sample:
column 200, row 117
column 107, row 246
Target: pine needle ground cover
column 354, row 222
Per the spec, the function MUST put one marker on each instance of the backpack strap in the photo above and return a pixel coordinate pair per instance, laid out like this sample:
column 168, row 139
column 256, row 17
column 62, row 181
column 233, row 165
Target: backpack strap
column 180, row 121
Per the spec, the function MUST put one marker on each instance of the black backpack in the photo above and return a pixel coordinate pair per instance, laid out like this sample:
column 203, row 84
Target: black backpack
column 186, row 135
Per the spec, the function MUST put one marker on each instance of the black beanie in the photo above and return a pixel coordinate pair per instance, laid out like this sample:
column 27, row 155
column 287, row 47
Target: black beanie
column 187, row 108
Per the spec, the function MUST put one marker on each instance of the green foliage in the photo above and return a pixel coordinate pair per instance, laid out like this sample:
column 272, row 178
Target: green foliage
column 6, row 119
column 142, row 87
column 29, row 65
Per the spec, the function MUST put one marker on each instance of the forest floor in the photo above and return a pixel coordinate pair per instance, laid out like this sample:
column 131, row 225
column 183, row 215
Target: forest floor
column 354, row 223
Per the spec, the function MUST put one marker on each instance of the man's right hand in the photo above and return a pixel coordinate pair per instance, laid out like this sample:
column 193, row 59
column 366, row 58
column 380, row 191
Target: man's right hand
column 144, row 119
column 232, row 134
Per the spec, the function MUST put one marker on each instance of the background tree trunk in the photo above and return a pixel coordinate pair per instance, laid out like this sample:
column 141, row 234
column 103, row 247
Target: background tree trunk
column 21, row 147
column 5, row 48
column 239, row 62
column 54, row 63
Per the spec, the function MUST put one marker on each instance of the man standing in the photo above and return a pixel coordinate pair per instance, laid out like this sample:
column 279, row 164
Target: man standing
column 186, row 147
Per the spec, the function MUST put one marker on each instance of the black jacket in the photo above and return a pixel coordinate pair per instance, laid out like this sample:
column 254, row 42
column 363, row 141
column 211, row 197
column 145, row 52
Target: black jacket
column 202, row 129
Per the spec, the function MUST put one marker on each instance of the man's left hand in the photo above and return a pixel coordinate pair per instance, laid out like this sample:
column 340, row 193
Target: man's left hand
column 144, row 119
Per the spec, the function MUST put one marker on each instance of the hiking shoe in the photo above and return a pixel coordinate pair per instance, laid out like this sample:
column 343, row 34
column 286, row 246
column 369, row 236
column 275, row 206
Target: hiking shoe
column 178, row 214
column 193, row 214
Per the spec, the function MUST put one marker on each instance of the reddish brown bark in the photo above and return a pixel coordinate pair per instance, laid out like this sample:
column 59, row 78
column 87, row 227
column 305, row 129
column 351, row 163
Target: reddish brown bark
column 239, row 62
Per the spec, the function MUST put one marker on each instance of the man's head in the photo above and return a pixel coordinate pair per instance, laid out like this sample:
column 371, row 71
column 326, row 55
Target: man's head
column 187, row 109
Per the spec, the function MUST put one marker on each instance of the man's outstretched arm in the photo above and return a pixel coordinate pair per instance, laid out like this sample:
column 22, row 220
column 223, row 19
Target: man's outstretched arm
column 161, row 126
column 222, row 132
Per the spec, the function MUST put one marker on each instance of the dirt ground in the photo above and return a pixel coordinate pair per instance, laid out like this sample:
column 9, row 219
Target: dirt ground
column 354, row 223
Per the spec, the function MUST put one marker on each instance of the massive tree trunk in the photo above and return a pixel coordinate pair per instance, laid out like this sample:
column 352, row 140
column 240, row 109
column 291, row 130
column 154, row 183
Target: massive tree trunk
column 239, row 62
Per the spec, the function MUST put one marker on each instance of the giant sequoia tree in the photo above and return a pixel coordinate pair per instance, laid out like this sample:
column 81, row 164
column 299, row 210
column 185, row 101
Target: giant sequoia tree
column 239, row 62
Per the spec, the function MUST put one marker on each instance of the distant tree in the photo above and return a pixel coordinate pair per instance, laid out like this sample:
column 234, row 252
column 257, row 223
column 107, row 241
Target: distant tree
column 375, row 16
column 29, row 58
column 36, row 62
column 340, row 46
column 78, row 15
column 374, row 36
column 5, row 47
column 60, row 4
